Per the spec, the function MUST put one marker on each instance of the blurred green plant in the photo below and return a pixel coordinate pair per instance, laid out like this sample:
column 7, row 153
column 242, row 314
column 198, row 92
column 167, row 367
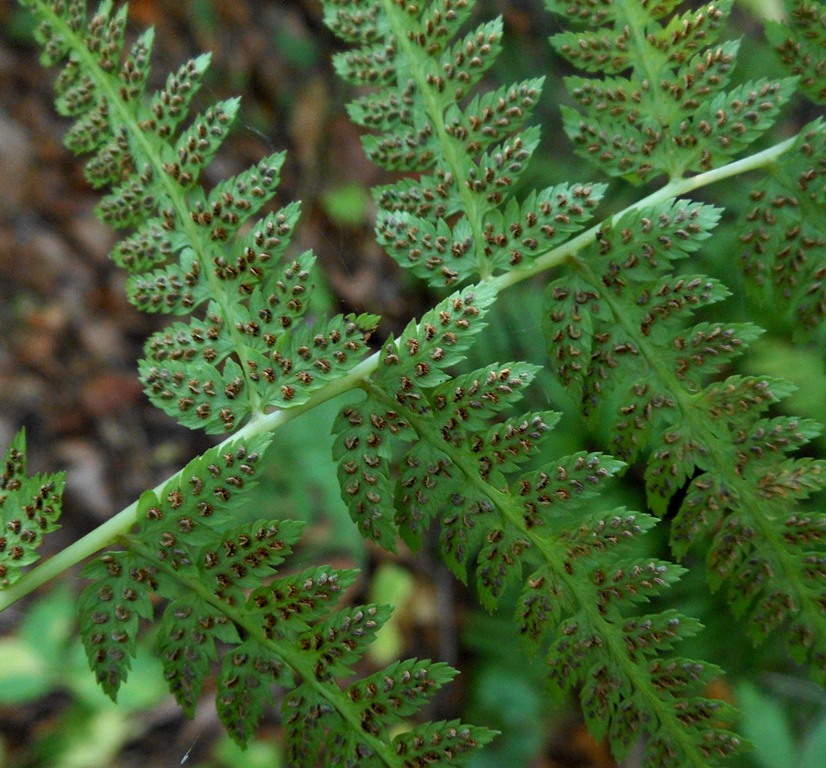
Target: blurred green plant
column 631, row 333
column 44, row 657
column 780, row 735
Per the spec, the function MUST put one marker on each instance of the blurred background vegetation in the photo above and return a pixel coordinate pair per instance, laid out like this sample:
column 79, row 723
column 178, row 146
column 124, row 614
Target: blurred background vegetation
column 68, row 348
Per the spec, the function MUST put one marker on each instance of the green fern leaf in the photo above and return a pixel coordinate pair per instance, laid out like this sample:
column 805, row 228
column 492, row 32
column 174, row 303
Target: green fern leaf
column 694, row 29
column 634, row 581
column 426, row 248
column 623, row 299
column 169, row 107
column 315, row 738
column 147, row 248
column 29, row 509
column 292, row 603
column 364, row 430
column 426, row 485
column 511, row 443
column 305, row 360
column 426, row 445
column 426, row 348
column 363, row 451
column 354, row 22
column 500, row 167
column 341, row 640
column 499, row 564
column 544, row 220
column 503, row 523
column 198, row 394
column 733, row 120
column 448, row 743
column 783, row 249
column 400, row 690
column 235, row 200
column 467, row 150
column 227, row 604
column 801, row 45
column 471, row 400
column 245, row 684
column 186, row 644
column 245, row 556
column 309, row 721
column 197, row 145
column 616, row 332
column 539, row 606
column 367, row 66
column 662, row 106
column 458, row 69
column 187, row 255
column 491, row 116
column 110, row 609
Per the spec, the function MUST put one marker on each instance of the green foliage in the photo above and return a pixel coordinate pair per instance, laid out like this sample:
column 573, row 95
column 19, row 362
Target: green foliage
column 782, row 247
column 467, row 152
column 224, row 599
column 674, row 112
column 633, row 337
column 246, row 349
column 802, row 45
column 621, row 321
column 29, row 509
column 535, row 529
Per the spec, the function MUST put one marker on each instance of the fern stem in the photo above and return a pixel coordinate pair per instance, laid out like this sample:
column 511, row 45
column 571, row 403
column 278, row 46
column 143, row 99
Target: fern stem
column 674, row 188
column 267, row 422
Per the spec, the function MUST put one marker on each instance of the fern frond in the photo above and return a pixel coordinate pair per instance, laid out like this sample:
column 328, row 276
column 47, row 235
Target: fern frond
column 662, row 105
column 516, row 525
column 457, row 218
column 248, row 346
column 111, row 614
column 619, row 336
column 426, row 445
column 801, row 45
column 596, row 319
column 227, row 604
column 29, row 509
column 784, row 240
